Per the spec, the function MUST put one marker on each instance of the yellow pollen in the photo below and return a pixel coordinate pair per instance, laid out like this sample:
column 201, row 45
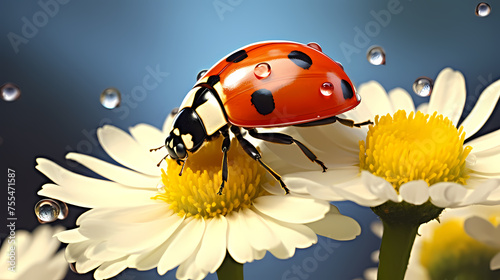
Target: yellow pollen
column 195, row 192
column 403, row 148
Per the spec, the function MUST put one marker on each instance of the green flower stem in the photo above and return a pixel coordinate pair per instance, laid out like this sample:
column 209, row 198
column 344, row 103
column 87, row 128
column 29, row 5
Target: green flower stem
column 230, row 269
column 397, row 242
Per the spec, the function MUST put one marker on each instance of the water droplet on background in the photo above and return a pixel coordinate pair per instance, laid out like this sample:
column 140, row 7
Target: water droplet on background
column 423, row 86
column 326, row 89
column 262, row 70
column 63, row 213
column 47, row 210
column 315, row 46
column 200, row 74
column 376, row 55
column 10, row 92
column 483, row 9
column 111, row 98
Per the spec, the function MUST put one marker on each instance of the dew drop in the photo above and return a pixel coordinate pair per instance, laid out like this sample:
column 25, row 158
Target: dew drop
column 262, row 70
column 63, row 213
column 174, row 112
column 111, row 98
column 423, row 86
column 201, row 74
column 471, row 159
column 47, row 210
column 326, row 89
column 315, row 46
column 340, row 64
column 10, row 92
column 376, row 55
column 483, row 9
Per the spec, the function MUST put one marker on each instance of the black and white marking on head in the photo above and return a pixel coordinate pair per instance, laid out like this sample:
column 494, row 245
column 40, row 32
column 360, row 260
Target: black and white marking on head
column 263, row 101
column 347, row 89
column 237, row 56
column 300, row 59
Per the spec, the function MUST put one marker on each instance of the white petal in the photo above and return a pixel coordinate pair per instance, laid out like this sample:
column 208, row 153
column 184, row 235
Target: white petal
column 76, row 250
column 446, row 194
column 110, row 269
column 482, row 192
column 167, row 125
column 483, row 231
column 127, row 214
column 495, row 262
column 379, row 187
column 487, row 161
column 181, row 244
column 401, row 100
column 357, row 191
column 448, row 95
column 147, row 135
column 70, row 236
column 415, row 192
column 237, row 243
column 140, row 236
column 292, row 209
column 80, row 190
column 336, row 226
column 376, row 99
column 260, row 236
column 125, row 150
column 116, row 173
column 482, row 110
column 423, row 107
column 292, row 236
column 485, row 142
column 213, row 245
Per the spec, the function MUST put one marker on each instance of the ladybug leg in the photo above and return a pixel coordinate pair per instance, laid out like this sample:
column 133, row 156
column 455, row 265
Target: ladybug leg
column 350, row 123
column 226, row 143
column 281, row 138
column 255, row 154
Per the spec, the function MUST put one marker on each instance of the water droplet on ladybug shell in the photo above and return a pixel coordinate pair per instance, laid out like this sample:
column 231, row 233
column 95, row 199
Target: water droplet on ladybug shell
column 262, row 70
column 483, row 9
column 201, row 74
column 326, row 89
column 315, row 46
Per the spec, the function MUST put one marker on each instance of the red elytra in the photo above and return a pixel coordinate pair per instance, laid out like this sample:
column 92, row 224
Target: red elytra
column 297, row 75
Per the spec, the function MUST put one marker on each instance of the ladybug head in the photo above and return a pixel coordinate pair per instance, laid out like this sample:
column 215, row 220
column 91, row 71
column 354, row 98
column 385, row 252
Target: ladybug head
column 187, row 134
column 175, row 147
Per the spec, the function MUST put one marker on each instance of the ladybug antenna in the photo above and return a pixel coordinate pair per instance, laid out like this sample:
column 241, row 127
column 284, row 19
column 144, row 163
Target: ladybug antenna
column 158, row 165
column 156, row 149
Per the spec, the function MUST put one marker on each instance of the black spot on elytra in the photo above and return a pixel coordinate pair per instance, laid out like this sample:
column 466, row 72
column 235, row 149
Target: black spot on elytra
column 212, row 80
column 263, row 101
column 347, row 89
column 237, row 56
column 301, row 59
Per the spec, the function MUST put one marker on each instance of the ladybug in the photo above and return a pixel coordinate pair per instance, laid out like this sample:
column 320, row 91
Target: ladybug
column 262, row 85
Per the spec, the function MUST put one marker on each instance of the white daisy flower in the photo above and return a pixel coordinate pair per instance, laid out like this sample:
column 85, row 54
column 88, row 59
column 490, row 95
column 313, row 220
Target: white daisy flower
column 446, row 249
column 487, row 233
column 144, row 216
column 404, row 153
column 27, row 256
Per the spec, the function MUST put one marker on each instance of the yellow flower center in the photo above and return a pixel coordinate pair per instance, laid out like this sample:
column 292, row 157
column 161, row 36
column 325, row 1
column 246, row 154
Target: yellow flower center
column 452, row 254
column 403, row 148
column 195, row 192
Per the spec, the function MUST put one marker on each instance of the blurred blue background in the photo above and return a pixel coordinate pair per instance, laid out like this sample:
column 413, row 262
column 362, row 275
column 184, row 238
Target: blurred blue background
column 64, row 53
